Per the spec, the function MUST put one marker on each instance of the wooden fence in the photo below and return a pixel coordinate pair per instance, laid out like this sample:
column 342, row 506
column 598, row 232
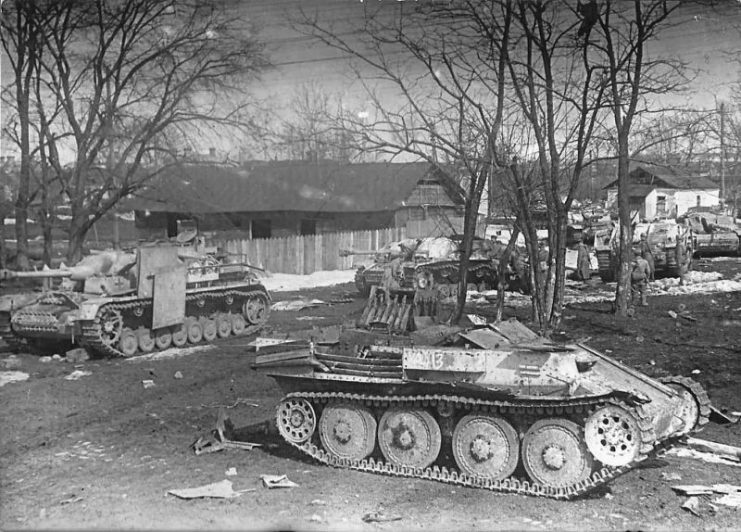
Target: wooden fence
column 303, row 255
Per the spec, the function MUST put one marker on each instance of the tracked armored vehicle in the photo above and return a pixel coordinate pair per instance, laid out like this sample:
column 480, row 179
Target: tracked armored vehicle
column 431, row 259
column 119, row 304
column 661, row 235
column 713, row 234
column 532, row 418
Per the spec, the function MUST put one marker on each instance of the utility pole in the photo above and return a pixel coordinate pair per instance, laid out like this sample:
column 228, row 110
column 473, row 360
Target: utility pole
column 722, row 152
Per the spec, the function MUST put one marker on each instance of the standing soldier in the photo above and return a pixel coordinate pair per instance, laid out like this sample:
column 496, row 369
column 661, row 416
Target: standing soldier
column 583, row 268
column 648, row 255
column 682, row 258
column 638, row 278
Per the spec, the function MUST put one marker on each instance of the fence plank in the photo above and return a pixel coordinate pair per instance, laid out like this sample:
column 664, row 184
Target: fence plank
column 306, row 254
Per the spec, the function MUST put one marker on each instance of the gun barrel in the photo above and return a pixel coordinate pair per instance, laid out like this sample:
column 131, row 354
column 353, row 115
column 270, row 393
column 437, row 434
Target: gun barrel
column 347, row 252
column 43, row 274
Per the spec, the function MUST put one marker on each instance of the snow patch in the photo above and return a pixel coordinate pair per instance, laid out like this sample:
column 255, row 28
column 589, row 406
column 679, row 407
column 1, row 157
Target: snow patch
column 285, row 282
column 12, row 376
column 173, row 352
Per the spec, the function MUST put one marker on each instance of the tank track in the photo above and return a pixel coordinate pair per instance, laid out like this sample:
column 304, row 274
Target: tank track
column 91, row 331
column 698, row 392
column 14, row 341
column 581, row 408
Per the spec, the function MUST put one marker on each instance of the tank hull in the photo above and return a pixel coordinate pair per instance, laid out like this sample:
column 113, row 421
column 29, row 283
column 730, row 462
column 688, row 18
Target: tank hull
column 569, row 417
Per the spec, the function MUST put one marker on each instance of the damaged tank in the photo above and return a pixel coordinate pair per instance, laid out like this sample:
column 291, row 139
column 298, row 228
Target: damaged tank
column 662, row 236
column 522, row 416
column 119, row 303
column 433, row 259
column 713, row 234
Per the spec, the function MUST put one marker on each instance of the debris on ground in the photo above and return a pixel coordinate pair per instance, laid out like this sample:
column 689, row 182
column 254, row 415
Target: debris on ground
column 700, row 489
column 12, row 376
column 232, row 471
column 57, row 358
column 684, row 452
column 269, row 345
column 277, row 481
column 148, row 383
column 310, row 318
column 671, row 477
column 178, row 375
column 216, row 490
column 45, row 359
column 476, row 319
column 222, row 437
column 75, row 375
column 172, row 352
column 730, row 499
column 380, row 517
column 77, row 355
column 720, row 449
column 691, row 505
column 297, row 304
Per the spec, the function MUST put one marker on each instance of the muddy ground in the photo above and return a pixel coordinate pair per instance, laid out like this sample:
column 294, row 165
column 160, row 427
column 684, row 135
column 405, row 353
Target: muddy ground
column 102, row 451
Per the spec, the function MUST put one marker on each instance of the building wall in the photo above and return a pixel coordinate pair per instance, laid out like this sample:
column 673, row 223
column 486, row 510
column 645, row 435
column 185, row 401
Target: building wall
column 676, row 202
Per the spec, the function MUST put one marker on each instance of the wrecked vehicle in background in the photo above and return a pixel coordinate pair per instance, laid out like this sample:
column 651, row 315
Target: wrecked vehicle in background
column 713, row 234
column 119, row 303
column 522, row 415
column 662, row 235
column 435, row 259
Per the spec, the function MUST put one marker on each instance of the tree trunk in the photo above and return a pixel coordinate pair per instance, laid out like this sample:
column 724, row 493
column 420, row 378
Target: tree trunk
column 78, row 229
column 469, row 231
column 622, row 294
column 560, row 271
column 501, row 272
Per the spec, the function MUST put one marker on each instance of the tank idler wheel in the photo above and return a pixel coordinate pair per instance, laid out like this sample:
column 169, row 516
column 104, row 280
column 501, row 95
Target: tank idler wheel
column 238, row 324
column 486, row 446
column 296, row 420
column 256, row 310
column 163, row 338
column 613, row 435
column 409, row 437
column 145, row 339
column 195, row 330
column 209, row 329
column 111, row 326
column 693, row 411
column 128, row 344
column 179, row 335
column 554, row 453
column 348, row 431
column 223, row 326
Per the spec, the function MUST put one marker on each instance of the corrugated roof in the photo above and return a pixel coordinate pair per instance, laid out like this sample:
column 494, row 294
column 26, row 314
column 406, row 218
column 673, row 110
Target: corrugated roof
column 287, row 186
column 666, row 177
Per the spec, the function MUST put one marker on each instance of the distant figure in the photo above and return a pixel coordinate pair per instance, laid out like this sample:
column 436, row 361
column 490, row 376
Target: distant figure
column 638, row 278
column 589, row 16
column 583, row 268
column 682, row 258
column 648, row 255
column 542, row 256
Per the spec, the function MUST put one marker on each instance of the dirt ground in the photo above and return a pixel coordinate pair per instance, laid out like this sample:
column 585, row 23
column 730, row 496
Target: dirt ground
column 102, row 451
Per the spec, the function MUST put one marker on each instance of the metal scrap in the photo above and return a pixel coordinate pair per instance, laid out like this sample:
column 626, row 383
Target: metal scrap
column 277, row 481
column 216, row 490
column 221, row 438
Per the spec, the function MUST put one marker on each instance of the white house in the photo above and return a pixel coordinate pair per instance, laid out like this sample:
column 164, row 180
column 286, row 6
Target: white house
column 662, row 192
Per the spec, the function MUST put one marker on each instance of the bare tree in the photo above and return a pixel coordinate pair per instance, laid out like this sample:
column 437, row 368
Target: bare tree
column 618, row 41
column 113, row 88
column 444, row 66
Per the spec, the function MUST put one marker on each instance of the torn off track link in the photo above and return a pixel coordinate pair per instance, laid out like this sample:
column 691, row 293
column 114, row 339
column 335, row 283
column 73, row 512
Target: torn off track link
column 573, row 408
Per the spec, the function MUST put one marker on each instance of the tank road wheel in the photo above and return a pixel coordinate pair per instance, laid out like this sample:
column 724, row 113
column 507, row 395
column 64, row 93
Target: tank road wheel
column 613, row 435
column 296, row 420
column 486, row 446
column 223, row 326
column 128, row 343
column 195, row 330
column 146, row 340
column 111, row 326
column 694, row 411
column 209, row 329
column 163, row 338
column 238, row 324
column 554, row 453
column 348, row 431
column 179, row 335
column 409, row 437
column 256, row 310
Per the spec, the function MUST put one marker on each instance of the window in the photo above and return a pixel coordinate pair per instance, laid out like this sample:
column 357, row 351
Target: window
column 660, row 204
column 308, row 227
column 698, row 201
column 261, row 228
